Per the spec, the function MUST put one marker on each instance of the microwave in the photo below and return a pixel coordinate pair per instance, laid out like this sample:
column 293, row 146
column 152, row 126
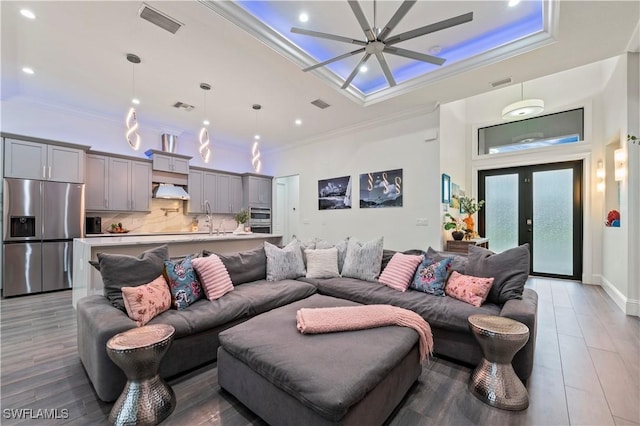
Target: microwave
column 259, row 214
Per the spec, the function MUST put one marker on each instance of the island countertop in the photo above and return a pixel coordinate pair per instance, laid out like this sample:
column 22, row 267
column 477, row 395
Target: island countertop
column 87, row 280
column 101, row 240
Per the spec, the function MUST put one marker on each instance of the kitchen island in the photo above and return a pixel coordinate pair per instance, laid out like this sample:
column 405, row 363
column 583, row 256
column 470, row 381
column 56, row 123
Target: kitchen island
column 87, row 280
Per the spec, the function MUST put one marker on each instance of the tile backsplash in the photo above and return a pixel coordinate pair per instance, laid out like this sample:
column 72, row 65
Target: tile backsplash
column 159, row 220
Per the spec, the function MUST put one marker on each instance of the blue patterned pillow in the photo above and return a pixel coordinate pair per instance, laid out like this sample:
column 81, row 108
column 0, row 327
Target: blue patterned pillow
column 183, row 282
column 431, row 276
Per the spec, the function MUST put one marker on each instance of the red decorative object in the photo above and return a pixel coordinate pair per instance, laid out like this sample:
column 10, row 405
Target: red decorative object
column 613, row 215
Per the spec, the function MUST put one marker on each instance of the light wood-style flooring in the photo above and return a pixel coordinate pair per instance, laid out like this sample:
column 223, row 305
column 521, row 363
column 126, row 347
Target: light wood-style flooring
column 587, row 370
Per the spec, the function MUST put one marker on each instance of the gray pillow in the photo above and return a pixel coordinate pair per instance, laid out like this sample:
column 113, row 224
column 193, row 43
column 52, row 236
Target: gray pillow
column 363, row 260
column 459, row 263
column 245, row 266
column 509, row 268
column 284, row 263
column 121, row 270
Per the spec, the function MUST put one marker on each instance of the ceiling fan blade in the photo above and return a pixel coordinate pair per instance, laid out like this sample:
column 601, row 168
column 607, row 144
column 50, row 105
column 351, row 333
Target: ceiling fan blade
column 385, row 69
column 447, row 23
column 337, row 58
column 355, row 71
column 414, row 55
column 327, row 36
column 396, row 18
column 362, row 20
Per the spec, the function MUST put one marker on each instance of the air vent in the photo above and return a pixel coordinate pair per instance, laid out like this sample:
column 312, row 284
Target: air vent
column 320, row 104
column 183, row 106
column 158, row 18
column 501, row 82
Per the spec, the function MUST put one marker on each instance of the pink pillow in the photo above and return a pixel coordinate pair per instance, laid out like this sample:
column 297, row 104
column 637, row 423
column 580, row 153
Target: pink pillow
column 399, row 271
column 473, row 290
column 147, row 301
column 213, row 275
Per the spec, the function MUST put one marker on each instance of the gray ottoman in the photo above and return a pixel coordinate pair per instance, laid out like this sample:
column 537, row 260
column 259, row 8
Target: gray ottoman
column 346, row 378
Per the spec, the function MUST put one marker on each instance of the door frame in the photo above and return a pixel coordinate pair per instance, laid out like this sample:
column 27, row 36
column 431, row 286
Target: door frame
column 526, row 208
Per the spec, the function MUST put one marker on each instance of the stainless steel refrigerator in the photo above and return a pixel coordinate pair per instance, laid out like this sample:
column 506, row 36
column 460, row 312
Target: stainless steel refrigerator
column 41, row 219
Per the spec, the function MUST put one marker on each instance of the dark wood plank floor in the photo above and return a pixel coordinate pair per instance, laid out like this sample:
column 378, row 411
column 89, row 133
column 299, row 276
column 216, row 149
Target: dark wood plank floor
column 587, row 370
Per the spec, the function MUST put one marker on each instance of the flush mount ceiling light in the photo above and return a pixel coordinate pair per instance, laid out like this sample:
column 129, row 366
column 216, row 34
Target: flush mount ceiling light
column 205, row 151
column 523, row 108
column 256, row 163
column 27, row 14
column 132, row 117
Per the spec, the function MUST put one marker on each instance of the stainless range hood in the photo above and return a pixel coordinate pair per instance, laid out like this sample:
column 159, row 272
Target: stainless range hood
column 170, row 192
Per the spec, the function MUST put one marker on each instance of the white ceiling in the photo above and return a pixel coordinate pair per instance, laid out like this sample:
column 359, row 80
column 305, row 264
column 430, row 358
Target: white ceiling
column 78, row 49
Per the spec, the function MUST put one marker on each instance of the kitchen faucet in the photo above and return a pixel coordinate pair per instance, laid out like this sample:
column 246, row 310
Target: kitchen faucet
column 207, row 212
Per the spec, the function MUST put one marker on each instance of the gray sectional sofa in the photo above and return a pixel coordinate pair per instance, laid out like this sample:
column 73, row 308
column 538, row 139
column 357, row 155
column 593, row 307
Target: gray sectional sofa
column 197, row 327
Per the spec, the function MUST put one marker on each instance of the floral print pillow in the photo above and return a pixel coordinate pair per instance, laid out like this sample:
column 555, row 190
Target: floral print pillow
column 431, row 276
column 473, row 290
column 147, row 301
column 185, row 287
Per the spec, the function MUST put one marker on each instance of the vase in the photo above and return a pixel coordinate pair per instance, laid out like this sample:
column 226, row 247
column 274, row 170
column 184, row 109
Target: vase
column 239, row 229
column 457, row 235
column 470, row 223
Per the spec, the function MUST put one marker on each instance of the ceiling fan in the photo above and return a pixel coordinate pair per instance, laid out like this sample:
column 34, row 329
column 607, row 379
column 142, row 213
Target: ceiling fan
column 379, row 41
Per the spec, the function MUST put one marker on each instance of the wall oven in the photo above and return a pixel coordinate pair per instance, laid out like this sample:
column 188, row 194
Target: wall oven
column 260, row 220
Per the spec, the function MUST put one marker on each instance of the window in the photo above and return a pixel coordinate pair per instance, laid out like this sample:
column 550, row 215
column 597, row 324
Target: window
column 547, row 130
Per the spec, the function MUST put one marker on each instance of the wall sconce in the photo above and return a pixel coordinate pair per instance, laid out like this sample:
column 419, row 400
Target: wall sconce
column 600, row 174
column 620, row 158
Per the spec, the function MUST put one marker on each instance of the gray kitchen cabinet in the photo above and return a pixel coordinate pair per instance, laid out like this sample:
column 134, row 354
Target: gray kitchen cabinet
column 169, row 162
column 35, row 160
column 257, row 191
column 117, row 184
column 97, row 182
column 202, row 187
column 229, row 194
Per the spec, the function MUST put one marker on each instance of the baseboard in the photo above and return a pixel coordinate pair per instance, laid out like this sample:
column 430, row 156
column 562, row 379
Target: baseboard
column 618, row 298
column 633, row 307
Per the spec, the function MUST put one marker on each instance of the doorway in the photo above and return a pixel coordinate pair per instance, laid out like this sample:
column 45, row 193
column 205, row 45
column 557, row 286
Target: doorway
column 285, row 211
column 540, row 205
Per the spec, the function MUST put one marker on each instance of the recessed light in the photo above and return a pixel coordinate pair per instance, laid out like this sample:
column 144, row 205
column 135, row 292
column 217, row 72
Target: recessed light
column 135, row 101
column 27, row 13
column 28, row 70
column 206, row 122
column 303, row 17
column 513, row 3
column 298, row 122
column 363, row 68
column 257, row 137
column 434, row 50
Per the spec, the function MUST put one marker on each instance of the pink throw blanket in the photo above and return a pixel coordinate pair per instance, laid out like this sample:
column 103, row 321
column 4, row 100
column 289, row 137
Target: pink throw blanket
column 346, row 318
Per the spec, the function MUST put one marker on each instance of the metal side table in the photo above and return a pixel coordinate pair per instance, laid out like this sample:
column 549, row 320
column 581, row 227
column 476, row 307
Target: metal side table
column 146, row 399
column 494, row 381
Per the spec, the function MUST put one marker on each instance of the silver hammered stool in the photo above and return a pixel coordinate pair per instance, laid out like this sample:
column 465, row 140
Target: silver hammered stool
column 494, row 381
column 146, row 399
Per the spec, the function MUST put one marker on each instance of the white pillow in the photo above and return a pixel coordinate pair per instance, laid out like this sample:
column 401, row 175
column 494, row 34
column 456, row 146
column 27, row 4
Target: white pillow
column 284, row 263
column 363, row 260
column 322, row 263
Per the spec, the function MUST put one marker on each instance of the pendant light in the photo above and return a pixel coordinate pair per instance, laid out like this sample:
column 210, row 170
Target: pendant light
column 255, row 148
column 132, row 118
column 523, row 108
column 205, row 151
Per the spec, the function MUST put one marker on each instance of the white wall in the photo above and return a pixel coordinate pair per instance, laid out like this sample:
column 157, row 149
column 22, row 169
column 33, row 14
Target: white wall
column 615, row 277
column 28, row 118
column 386, row 146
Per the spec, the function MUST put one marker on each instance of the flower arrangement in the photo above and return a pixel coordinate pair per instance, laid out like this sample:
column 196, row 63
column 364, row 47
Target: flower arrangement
column 241, row 217
column 468, row 205
column 453, row 223
column 632, row 138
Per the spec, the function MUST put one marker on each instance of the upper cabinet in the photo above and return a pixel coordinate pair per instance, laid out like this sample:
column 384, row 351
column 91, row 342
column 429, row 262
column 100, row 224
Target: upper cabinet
column 117, row 184
column 223, row 192
column 169, row 162
column 35, row 160
column 257, row 191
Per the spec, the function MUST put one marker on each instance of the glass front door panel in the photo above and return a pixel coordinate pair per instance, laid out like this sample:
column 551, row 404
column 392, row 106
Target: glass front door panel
column 501, row 211
column 553, row 222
